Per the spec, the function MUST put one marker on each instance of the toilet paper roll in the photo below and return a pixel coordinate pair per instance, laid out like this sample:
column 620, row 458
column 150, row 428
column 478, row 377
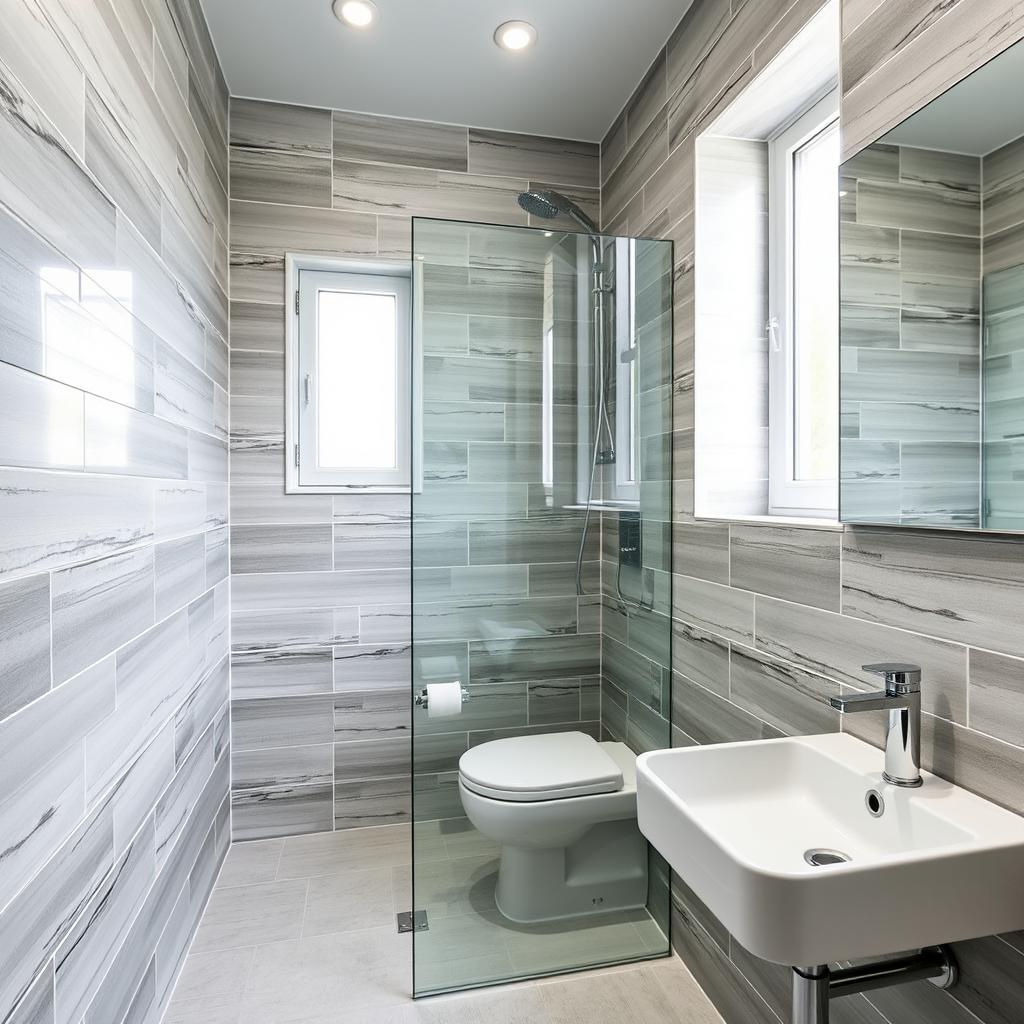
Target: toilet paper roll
column 444, row 699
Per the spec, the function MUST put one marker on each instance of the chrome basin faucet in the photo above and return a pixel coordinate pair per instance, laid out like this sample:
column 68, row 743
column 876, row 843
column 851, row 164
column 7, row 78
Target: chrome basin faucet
column 902, row 699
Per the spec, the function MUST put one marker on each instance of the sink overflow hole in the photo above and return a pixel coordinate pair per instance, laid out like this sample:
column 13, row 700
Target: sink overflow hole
column 819, row 858
column 874, row 802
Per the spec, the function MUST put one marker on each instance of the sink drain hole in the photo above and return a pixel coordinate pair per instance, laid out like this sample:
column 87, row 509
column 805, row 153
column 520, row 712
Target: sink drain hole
column 820, row 857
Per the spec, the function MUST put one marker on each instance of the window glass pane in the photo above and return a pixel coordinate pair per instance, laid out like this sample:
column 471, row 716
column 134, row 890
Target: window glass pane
column 356, row 363
column 815, row 306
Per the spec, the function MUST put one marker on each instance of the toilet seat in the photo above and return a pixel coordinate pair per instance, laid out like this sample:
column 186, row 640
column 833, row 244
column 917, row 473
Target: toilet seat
column 551, row 766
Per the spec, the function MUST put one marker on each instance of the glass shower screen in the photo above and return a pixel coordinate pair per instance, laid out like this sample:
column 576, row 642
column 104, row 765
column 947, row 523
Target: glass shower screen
column 541, row 590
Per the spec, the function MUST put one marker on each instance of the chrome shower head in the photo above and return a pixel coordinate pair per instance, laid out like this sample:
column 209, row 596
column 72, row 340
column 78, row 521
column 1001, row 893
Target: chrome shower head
column 549, row 204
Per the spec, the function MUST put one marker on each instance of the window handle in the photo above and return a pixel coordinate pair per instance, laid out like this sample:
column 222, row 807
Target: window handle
column 772, row 327
column 305, row 388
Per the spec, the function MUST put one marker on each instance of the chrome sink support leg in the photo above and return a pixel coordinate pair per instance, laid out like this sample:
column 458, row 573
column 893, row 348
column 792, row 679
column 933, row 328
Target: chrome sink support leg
column 813, row 987
column 810, row 994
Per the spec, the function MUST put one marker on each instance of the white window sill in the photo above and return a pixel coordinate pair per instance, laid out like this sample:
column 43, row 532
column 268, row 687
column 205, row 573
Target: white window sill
column 808, row 522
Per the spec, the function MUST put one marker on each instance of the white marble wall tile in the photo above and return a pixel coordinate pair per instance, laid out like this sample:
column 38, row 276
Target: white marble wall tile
column 75, row 215
column 207, row 458
column 121, row 440
column 24, row 642
column 40, row 916
column 112, row 158
column 98, row 606
column 218, row 547
column 154, row 672
column 37, row 1005
column 176, row 803
column 81, row 959
column 200, row 710
column 32, row 836
column 180, row 573
column 41, row 423
column 109, row 514
column 157, row 299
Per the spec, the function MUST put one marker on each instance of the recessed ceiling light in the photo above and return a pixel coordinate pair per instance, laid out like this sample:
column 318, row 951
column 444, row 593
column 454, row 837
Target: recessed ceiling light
column 515, row 35
column 357, row 13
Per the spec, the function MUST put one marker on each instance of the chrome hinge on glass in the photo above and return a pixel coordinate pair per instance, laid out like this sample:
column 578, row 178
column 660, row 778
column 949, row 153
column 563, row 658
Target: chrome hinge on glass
column 296, row 456
column 296, row 301
column 772, row 327
column 305, row 389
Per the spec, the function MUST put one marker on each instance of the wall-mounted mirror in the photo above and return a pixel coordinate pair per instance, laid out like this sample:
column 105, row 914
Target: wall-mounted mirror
column 932, row 313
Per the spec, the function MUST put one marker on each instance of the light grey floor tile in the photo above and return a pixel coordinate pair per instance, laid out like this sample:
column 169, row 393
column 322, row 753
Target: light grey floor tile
column 308, row 979
column 450, row 888
column 273, row 910
column 349, row 901
column 217, row 976
column 247, row 863
column 309, row 856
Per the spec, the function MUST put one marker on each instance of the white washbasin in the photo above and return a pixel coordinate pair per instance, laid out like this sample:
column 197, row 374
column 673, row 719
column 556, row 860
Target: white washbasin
column 735, row 820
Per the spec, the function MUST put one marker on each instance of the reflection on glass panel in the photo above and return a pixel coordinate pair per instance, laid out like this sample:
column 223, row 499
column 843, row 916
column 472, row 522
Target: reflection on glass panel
column 816, row 296
column 356, row 359
column 531, row 415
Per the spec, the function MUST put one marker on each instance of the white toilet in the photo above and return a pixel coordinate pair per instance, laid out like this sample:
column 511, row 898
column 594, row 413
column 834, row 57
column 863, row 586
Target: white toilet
column 563, row 808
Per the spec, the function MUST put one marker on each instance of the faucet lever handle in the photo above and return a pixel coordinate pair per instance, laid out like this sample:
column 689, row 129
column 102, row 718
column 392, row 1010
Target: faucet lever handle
column 900, row 677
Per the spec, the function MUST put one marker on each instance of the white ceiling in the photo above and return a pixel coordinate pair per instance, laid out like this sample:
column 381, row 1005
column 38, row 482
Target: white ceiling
column 436, row 60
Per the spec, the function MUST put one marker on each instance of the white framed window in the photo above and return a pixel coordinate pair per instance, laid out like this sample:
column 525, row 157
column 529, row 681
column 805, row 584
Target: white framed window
column 803, row 314
column 348, row 369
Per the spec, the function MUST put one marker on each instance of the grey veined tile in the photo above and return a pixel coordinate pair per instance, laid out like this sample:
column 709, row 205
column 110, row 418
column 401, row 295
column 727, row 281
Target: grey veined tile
column 275, row 176
column 967, row 589
column 98, row 606
column 52, row 519
column 533, row 156
column 918, row 207
column 280, row 127
column 392, row 140
column 45, row 185
column 24, row 642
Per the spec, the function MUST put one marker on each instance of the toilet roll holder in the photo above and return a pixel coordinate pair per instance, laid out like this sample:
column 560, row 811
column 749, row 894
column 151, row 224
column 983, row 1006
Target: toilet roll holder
column 421, row 697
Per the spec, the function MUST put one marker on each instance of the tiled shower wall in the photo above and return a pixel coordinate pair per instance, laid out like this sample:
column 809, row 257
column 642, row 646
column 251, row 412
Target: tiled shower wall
column 320, row 669
column 769, row 621
column 911, row 336
column 113, row 555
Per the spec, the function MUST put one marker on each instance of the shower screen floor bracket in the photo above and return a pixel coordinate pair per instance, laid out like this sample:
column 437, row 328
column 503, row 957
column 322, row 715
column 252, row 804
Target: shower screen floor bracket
column 412, row 921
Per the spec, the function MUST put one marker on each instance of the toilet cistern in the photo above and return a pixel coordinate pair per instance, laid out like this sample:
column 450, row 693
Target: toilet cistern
column 902, row 699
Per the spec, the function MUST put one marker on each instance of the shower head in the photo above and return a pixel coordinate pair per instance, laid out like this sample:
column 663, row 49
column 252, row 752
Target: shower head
column 548, row 204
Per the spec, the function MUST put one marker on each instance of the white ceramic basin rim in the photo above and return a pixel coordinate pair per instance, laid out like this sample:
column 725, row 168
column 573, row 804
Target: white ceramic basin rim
column 736, row 821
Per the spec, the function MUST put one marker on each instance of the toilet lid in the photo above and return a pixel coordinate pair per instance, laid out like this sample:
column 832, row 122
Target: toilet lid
column 548, row 767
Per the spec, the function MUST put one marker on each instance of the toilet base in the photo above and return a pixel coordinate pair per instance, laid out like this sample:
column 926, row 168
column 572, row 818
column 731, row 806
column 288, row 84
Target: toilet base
column 604, row 870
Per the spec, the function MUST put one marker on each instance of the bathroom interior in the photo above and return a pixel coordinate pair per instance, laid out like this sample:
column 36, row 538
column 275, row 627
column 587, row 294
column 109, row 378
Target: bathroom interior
column 511, row 511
